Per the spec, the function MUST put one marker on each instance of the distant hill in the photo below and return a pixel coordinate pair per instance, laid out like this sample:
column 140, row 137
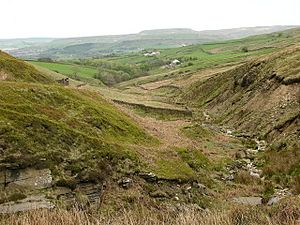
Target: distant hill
column 11, row 44
column 83, row 47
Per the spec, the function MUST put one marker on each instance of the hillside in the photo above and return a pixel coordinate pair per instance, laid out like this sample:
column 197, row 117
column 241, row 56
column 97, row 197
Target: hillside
column 12, row 69
column 260, row 98
column 212, row 139
column 47, row 127
column 70, row 144
column 103, row 45
column 118, row 68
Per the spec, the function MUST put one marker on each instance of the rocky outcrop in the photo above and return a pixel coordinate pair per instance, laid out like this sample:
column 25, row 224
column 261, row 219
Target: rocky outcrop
column 30, row 203
column 248, row 200
column 26, row 178
column 3, row 75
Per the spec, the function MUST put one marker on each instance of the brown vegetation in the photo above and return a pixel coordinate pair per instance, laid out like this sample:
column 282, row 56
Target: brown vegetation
column 287, row 213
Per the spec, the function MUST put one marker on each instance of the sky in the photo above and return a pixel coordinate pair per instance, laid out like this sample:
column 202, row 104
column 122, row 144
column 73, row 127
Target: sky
column 77, row 18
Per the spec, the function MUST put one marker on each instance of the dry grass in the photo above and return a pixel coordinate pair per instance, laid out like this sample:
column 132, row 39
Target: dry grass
column 287, row 213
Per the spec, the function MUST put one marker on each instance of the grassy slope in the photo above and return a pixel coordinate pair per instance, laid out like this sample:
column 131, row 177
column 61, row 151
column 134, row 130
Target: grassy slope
column 65, row 129
column 68, row 70
column 260, row 97
column 46, row 125
column 14, row 69
column 207, row 55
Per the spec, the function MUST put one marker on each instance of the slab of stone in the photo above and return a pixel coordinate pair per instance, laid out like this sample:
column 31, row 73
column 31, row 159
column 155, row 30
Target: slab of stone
column 248, row 200
column 274, row 200
column 28, row 178
column 30, row 203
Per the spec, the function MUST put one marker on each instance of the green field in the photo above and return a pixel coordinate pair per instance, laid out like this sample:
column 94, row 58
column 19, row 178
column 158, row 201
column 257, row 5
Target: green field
column 117, row 68
column 68, row 69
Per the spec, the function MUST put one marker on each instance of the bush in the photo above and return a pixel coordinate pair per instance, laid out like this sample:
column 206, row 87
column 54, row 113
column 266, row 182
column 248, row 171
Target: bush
column 244, row 49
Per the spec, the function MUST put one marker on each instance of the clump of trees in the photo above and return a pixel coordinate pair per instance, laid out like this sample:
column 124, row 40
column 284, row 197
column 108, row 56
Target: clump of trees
column 111, row 73
column 45, row 59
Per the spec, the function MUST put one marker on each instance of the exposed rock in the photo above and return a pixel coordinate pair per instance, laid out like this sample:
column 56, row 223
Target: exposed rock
column 240, row 154
column 199, row 186
column 151, row 177
column 261, row 145
column 206, row 116
column 91, row 191
column 274, row 200
column 30, row 203
column 188, row 188
column 27, row 178
column 228, row 177
column 3, row 75
column 125, row 182
column 254, row 174
column 229, row 132
column 248, row 200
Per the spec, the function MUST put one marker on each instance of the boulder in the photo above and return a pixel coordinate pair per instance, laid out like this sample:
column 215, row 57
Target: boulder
column 274, row 200
column 125, row 182
column 248, row 200
column 151, row 177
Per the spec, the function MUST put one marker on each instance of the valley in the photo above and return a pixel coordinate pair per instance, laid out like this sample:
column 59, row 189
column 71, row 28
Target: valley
column 214, row 138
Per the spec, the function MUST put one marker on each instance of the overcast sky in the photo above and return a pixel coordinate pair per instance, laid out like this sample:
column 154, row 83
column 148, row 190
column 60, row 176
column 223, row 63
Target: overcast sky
column 70, row 18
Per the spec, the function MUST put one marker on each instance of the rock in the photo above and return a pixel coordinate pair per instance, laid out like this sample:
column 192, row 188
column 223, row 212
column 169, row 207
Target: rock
column 248, row 200
column 252, row 174
column 274, row 200
column 176, row 198
column 261, row 145
column 151, row 177
column 229, row 132
column 125, row 182
column 240, row 154
column 199, row 185
column 232, row 172
column 27, row 178
column 62, row 191
column 91, row 191
column 188, row 188
column 246, row 161
column 30, row 203
column 251, row 151
column 206, row 116
column 228, row 177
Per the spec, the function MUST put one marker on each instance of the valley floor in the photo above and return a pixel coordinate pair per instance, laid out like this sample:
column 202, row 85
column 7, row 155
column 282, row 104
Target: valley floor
column 154, row 106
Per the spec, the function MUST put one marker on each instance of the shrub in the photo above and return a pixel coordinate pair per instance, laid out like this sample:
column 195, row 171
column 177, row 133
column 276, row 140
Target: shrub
column 244, row 49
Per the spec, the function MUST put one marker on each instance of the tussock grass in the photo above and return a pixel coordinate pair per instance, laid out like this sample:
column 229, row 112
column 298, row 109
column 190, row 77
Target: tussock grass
column 287, row 213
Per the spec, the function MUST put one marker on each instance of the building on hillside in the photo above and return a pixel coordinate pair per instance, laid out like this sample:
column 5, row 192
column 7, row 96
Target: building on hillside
column 151, row 54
